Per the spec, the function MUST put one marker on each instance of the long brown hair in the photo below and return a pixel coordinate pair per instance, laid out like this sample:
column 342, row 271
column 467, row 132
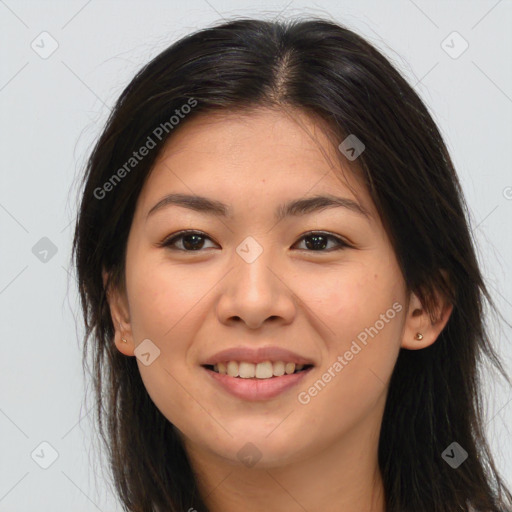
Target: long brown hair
column 326, row 70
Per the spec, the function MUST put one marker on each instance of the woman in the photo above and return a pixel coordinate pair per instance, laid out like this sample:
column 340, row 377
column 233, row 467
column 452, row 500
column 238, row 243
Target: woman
column 279, row 285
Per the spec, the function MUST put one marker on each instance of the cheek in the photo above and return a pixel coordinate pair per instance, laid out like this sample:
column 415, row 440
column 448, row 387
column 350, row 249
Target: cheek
column 348, row 300
column 362, row 318
column 166, row 308
column 354, row 377
column 165, row 299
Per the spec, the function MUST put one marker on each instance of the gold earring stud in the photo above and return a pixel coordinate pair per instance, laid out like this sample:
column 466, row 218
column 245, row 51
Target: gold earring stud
column 419, row 336
column 124, row 341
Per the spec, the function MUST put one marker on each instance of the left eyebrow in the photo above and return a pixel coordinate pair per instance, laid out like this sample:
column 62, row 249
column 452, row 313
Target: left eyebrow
column 296, row 207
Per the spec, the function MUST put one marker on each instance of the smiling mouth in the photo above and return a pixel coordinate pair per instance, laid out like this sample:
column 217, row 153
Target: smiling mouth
column 261, row 371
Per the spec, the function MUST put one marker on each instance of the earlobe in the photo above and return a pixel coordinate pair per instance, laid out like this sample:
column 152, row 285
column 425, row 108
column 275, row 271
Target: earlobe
column 123, row 341
column 119, row 313
column 419, row 329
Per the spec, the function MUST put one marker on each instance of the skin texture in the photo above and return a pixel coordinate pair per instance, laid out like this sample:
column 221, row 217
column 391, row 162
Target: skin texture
column 316, row 456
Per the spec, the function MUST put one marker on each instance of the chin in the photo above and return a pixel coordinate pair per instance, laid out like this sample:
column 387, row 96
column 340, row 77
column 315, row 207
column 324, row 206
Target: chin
column 261, row 451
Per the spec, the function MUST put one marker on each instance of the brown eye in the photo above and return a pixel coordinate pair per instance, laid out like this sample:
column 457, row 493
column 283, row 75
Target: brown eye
column 318, row 241
column 190, row 241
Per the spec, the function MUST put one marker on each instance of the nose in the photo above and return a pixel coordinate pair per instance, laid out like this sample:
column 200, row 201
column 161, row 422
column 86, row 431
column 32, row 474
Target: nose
column 255, row 292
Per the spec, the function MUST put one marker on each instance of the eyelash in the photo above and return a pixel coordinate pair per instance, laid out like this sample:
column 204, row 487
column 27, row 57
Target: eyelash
column 171, row 240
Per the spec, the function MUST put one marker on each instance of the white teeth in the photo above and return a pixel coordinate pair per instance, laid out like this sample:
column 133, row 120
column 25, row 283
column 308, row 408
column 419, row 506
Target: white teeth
column 289, row 368
column 265, row 370
column 246, row 370
column 278, row 368
column 233, row 369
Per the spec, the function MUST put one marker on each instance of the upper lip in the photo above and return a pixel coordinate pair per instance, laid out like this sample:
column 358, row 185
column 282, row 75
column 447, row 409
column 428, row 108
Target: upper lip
column 258, row 355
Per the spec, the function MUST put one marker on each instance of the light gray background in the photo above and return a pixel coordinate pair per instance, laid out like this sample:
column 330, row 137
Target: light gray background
column 53, row 109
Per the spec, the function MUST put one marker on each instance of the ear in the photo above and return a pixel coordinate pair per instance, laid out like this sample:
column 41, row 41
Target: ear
column 417, row 320
column 120, row 314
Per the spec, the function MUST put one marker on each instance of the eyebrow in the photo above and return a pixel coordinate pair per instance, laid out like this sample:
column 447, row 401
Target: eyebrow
column 296, row 207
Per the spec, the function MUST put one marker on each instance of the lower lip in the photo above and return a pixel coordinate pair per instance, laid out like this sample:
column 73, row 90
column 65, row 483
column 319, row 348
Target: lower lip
column 257, row 389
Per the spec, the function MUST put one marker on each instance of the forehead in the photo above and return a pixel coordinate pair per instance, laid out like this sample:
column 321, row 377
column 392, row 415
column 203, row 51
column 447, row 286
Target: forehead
column 254, row 158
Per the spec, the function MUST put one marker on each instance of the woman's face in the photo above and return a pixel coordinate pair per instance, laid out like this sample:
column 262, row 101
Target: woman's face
column 254, row 280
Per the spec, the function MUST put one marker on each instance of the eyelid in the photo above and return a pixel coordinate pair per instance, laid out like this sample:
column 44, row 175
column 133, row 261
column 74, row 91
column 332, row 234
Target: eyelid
column 341, row 242
column 166, row 242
